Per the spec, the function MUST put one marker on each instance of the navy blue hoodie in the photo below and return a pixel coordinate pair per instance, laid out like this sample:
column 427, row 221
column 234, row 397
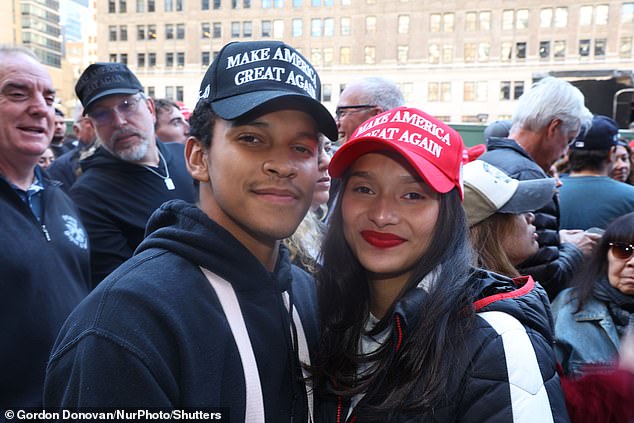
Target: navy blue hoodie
column 153, row 333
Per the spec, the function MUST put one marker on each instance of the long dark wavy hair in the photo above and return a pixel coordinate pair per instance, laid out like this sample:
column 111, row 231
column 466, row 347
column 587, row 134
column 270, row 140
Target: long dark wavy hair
column 620, row 229
column 427, row 360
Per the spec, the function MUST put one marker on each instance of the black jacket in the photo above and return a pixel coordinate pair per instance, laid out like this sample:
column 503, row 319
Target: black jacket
column 154, row 334
column 44, row 274
column 116, row 198
column 510, row 373
column 554, row 264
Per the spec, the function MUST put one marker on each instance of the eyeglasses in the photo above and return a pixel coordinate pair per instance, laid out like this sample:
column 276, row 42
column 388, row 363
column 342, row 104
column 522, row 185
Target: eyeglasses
column 126, row 108
column 343, row 111
column 622, row 250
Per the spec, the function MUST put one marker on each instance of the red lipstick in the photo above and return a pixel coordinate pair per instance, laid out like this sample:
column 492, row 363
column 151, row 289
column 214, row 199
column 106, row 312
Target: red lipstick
column 382, row 239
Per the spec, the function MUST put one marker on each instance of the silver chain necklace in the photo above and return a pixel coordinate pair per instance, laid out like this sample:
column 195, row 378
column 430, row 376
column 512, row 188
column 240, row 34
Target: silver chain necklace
column 166, row 179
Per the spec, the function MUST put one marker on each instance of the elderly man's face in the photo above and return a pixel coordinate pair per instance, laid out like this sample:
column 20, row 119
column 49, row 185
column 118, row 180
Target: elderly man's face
column 26, row 108
column 125, row 125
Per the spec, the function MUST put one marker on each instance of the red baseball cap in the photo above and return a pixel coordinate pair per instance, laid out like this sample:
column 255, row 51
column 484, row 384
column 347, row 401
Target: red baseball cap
column 434, row 149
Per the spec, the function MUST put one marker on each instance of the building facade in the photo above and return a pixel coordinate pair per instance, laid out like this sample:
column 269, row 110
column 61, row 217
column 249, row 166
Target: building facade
column 463, row 61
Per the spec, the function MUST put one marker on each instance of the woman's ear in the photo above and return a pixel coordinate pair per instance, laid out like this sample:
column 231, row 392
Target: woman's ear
column 196, row 159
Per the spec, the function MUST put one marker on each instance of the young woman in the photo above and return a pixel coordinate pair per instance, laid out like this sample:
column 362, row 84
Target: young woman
column 409, row 330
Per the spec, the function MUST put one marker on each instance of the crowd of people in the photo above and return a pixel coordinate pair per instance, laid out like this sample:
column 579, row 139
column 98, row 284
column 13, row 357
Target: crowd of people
column 282, row 264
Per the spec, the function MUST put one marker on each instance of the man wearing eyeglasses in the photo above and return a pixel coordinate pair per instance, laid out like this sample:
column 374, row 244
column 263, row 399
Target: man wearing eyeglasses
column 361, row 100
column 131, row 174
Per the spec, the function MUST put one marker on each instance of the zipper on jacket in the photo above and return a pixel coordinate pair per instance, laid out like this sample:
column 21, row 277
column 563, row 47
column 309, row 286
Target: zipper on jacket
column 46, row 234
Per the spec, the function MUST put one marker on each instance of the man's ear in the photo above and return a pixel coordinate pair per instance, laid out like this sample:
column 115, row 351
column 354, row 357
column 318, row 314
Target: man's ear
column 196, row 159
column 554, row 127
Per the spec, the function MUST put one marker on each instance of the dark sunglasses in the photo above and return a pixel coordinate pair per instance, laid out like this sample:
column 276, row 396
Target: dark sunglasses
column 622, row 250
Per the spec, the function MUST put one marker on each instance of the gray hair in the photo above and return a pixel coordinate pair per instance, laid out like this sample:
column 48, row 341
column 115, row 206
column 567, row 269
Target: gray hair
column 379, row 92
column 550, row 99
column 10, row 50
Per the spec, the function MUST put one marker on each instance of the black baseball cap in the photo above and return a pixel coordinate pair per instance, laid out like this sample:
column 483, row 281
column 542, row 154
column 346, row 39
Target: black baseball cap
column 247, row 76
column 602, row 135
column 103, row 79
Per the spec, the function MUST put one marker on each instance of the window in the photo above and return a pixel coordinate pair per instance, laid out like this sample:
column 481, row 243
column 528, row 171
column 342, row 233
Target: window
column 328, row 56
column 584, row 48
column 599, row 47
column 180, row 59
column 471, row 21
column 179, row 93
column 179, row 5
column 315, row 27
column 315, row 57
column 505, row 90
column 217, row 27
column 559, row 49
column 123, row 6
column 111, row 6
column 401, row 54
column 329, row 27
column 205, row 58
column 344, row 56
column 469, row 52
column 544, row 49
column 370, row 24
column 326, row 92
column 140, row 60
column 169, row 92
column 123, row 58
column 447, row 53
column 434, row 22
column 278, row 29
column 235, row 29
column 469, row 91
column 507, row 19
column 180, row 31
column 407, row 88
column 205, row 30
column 247, row 29
column 168, row 5
column 546, row 17
column 434, row 54
column 297, row 27
column 485, row 21
column 369, row 55
column 403, row 24
column 123, row 33
column 151, row 92
column 267, row 27
column 484, row 52
column 112, row 58
column 140, row 6
column 267, row 4
column 204, row 4
column 169, row 31
column 520, row 50
column 140, row 32
column 521, row 19
column 585, row 15
column 279, row 4
column 234, row 4
column 151, row 6
column 601, row 13
column 151, row 59
column 216, row 4
column 169, row 60
column 151, row 32
column 112, row 33
column 344, row 26
column 298, row 3
column 625, row 46
column 518, row 89
column 448, row 22
column 445, row 92
column 506, row 52
column 561, row 17
column 627, row 13
column 433, row 91
column 315, row 3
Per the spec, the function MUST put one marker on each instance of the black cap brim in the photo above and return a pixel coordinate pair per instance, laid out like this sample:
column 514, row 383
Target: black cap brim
column 234, row 107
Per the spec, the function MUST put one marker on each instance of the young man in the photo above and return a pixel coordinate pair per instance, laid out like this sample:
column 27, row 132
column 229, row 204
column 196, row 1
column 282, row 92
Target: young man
column 209, row 312
column 171, row 125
